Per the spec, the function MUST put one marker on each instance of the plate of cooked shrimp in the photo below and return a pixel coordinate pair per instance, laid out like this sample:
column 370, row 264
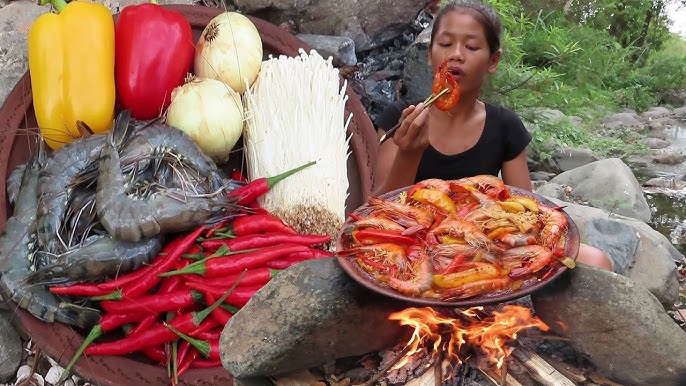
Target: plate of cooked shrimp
column 457, row 243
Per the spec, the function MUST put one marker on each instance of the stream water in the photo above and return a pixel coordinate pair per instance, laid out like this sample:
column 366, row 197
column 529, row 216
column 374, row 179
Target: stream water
column 669, row 207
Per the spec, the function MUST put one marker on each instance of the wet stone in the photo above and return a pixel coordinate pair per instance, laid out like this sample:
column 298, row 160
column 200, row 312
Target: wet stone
column 616, row 323
column 308, row 315
column 10, row 350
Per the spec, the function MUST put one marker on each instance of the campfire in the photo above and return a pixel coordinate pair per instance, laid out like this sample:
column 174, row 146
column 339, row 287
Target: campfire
column 450, row 340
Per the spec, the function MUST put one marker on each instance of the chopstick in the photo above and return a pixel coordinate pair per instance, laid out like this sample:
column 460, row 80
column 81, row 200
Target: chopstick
column 427, row 102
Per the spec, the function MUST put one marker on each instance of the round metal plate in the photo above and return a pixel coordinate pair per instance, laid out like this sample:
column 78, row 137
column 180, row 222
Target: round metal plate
column 349, row 265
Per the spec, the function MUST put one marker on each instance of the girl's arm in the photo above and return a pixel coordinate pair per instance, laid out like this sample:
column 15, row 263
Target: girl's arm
column 394, row 169
column 516, row 172
column 398, row 158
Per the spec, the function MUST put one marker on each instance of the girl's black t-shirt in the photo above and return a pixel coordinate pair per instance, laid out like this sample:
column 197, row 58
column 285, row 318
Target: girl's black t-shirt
column 504, row 137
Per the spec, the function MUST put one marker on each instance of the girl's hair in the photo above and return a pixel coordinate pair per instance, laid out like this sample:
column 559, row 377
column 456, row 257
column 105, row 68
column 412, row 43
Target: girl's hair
column 483, row 13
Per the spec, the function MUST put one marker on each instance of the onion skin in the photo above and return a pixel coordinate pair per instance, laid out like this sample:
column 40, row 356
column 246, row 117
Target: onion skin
column 211, row 113
column 229, row 50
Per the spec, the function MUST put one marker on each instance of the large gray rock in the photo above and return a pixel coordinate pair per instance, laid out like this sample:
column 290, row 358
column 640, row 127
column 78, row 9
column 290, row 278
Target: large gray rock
column 625, row 119
column 15, row 20
column 653, row 260
column 620, row 326
column 417, row 74
column 680, row 112
column 369, row 23
column 341, row 49
column 10, row 350
column 669, row 158
column 570, row 158
column 616, row 239
column 608, row 184
column 654, row 267
column 307, row 315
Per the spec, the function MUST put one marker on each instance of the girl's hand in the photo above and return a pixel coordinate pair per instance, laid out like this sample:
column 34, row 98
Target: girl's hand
column 412, row 135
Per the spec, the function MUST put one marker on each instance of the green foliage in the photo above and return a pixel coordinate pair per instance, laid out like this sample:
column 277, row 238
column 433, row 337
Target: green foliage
column 586, row 59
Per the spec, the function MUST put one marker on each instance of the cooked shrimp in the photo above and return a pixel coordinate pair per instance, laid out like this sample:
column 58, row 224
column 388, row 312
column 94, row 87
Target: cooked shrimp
column 417, row 277
column 555, row 224
column 534, row 258
column 412, row 218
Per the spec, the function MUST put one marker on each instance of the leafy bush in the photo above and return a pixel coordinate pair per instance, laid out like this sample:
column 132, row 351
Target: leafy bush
column 575, row 66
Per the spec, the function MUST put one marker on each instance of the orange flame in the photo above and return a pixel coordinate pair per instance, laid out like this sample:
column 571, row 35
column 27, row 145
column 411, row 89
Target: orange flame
column 490, row 334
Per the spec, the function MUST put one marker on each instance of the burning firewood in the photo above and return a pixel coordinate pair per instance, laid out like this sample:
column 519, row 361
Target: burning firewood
column 541, row 370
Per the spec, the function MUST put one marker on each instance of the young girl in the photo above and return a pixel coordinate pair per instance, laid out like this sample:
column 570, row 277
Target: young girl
column 473, row 137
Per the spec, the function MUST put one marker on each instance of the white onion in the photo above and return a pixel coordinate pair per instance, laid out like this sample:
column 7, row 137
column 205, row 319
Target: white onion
column 210, row 112
column 229, row 50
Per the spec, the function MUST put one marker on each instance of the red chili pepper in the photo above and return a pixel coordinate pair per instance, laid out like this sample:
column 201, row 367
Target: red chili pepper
column 144, row 324
column 221, row 316
column 79, row 289
column 221, row 266
column 454, row 265
column 155, row 335
column 284, row 263
column 157, row 303
column 256, row 188
column 257, row 276
column 188, row 361
column 238, row 175
column 107, row 323
column 208, row 348
column 208, row 324
column 154, row 51
column 298, row 257
column 132, row 276
column 156, row 354
column 255, row 208
column 183, row 350
column 258, row 223
column 145, row 283
column 238, row 298
column 267, row 239
column 219, row 225
column 209, row 335
column 377, row 236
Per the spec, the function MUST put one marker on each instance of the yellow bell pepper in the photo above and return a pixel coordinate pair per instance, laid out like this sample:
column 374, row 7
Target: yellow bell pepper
column 71, row 63
column 435, row 197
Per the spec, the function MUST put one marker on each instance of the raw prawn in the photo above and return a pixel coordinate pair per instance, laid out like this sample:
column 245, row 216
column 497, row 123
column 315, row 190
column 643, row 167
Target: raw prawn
column 155, row 139
column 129, row 219
column 55, row 187
column 98, row 257
column 14, row 183
column 16, row 248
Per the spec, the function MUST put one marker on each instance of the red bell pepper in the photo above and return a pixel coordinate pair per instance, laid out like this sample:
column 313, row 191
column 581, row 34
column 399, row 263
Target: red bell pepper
column 154, row 51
